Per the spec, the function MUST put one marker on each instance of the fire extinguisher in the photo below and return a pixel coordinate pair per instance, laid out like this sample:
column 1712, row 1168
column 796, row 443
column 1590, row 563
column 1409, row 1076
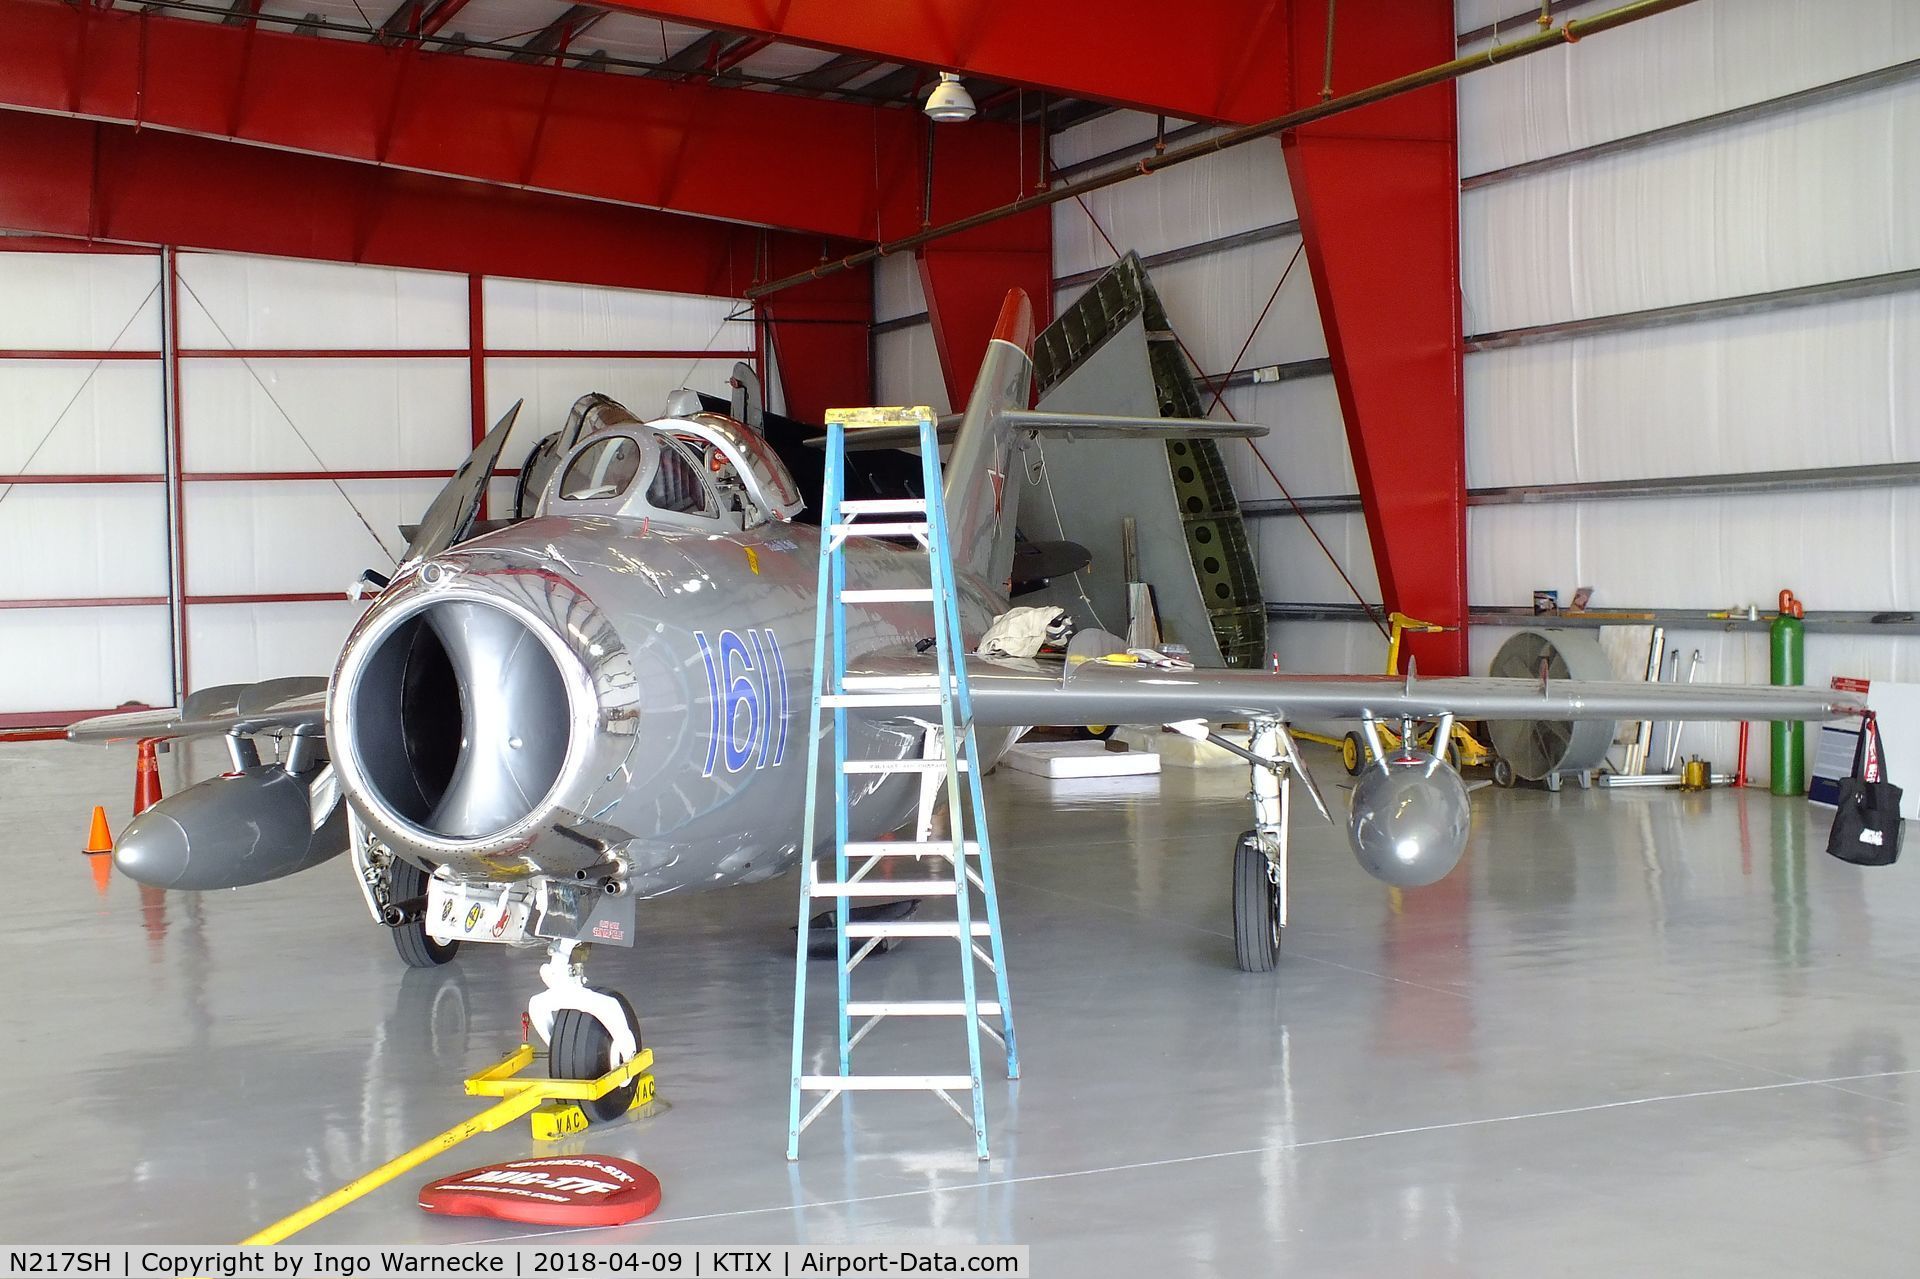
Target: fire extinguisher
column 1787, row 643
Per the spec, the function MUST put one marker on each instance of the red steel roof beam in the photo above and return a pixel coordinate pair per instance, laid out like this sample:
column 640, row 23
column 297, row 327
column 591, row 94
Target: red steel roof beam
column 1227, row 61
column 100, row 181
column 836, row 168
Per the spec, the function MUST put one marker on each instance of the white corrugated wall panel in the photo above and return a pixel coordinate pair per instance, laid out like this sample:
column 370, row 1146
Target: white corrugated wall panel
column 83, row 417
column 75, row 541
column 1233, row 191
column 1697, row 61
column 551, row 384
column 1294, row 569
column 1823, row 194
column 325, row 414
column 907, row 368
column 1102, row 134
column 67, row 659
column 1344, row 648
column 1214, row 302
column 80, row 302
column 294, row 536
column 240, row 643
column 1832, row 385
column 1306, row 444
column 1836, row 550
column 531, row 315
column 232, row 302
column 897, row 291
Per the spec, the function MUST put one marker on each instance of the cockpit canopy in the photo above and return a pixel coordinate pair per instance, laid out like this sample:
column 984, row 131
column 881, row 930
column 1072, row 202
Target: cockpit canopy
column 700, row 471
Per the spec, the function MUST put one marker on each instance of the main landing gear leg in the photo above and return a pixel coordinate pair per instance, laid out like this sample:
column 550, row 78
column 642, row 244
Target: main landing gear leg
column 589, row 1031
column 1260, row 857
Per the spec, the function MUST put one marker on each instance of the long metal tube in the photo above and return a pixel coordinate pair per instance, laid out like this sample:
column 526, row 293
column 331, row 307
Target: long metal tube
column 1566, row 33
column 174, row 488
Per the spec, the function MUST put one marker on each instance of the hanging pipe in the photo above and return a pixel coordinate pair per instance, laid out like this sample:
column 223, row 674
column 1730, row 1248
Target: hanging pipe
column 1326, row 71
column 1568, row 32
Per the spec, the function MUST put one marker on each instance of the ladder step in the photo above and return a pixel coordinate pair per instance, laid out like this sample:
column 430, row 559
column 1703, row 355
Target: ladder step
column 889, row 595
column 884, row 506
column 907, row 697
column 883, row 888
column 902, row 765
column 919, row 1008
column 908, row 848
column 883, row 1083
column 950, row 928
column 895, row 528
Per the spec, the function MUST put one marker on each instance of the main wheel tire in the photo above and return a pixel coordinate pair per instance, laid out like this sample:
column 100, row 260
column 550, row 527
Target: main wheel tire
column 417, row 950
column 1502, row 773
column 1353, row 754
column 581, row 1048
column 1256, row 908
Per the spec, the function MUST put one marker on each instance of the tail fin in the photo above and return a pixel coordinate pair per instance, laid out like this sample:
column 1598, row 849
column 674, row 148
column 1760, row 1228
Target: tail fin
column 982, row 492
column 982, row 495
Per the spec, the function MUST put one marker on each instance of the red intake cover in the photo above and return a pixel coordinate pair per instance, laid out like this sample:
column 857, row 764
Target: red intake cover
column 564, row 1190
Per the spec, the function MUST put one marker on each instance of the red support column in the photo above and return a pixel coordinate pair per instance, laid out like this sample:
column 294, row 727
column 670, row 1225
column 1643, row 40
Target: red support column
column 1378, row 193
column 966, row 277
column 818, row 334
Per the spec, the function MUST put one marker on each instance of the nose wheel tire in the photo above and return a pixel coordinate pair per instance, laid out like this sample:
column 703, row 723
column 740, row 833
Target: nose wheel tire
column 1256, row 908
column 581, row 1048
column 417, row 950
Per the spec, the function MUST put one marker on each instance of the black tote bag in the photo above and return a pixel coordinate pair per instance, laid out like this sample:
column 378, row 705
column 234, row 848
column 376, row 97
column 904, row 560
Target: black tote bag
column 1866, row 822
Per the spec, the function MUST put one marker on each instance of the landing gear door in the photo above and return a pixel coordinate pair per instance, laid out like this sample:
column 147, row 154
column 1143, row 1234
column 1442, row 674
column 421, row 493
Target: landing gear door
column 767, row 483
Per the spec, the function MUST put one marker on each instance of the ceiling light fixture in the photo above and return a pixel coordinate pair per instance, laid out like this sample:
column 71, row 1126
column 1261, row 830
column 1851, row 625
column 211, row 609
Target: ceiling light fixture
column 949, row 103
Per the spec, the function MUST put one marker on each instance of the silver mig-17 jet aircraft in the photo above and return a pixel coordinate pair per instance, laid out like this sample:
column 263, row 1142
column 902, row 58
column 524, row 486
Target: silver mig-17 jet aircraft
column 534, row 726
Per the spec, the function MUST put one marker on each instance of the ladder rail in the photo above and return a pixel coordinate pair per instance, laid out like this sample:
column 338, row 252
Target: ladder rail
column 952, row 668
column 836, row 455
column 988, row 891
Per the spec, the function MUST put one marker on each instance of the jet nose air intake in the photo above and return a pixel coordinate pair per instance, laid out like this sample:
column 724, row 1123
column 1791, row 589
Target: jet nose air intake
column 459, row 717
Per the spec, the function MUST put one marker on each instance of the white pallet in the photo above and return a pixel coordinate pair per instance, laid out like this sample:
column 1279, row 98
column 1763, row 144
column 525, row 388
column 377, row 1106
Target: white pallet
column 1058, row 760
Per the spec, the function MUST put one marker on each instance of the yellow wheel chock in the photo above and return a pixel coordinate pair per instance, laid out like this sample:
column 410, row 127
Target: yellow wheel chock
column 553, row 1104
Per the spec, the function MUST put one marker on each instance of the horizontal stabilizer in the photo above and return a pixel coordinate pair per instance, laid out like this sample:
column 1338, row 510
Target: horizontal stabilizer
column 1071, row 426
column 1093, row 426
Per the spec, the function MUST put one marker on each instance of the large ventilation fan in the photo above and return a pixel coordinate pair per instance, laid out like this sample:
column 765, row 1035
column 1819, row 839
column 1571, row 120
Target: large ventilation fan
column 1539, row 749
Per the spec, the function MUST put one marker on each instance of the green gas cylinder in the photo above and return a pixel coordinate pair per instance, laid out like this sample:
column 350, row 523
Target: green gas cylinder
column 1787, row 644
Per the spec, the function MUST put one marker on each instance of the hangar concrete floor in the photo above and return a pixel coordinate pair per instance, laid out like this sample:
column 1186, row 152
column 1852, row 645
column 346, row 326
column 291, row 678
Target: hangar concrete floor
column 1634, row 1032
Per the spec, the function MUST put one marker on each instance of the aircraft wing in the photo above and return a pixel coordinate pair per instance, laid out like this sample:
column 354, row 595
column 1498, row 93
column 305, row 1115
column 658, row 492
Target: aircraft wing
column 298, row 704
column 1099, row 691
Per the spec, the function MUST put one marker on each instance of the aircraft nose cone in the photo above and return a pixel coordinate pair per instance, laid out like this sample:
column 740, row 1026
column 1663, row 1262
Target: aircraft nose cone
column 153, row 850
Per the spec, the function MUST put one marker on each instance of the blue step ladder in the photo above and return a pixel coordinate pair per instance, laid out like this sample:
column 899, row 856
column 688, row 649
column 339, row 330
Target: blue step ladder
column 951, row 753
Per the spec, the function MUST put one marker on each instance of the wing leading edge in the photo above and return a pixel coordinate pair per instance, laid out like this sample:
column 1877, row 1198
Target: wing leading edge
column 298, row 704
column 1101, row 692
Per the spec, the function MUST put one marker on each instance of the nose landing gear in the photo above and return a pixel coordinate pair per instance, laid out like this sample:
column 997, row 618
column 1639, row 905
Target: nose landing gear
column 590, row 1031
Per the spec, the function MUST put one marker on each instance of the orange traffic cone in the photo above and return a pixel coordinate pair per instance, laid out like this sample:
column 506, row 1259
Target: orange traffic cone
column 146, row 778
column 99, row 838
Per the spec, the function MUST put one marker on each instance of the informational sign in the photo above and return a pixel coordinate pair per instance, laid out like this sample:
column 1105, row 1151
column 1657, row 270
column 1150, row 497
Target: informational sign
column 1834, row 745
column 560, row 1190
column 1897, row 707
